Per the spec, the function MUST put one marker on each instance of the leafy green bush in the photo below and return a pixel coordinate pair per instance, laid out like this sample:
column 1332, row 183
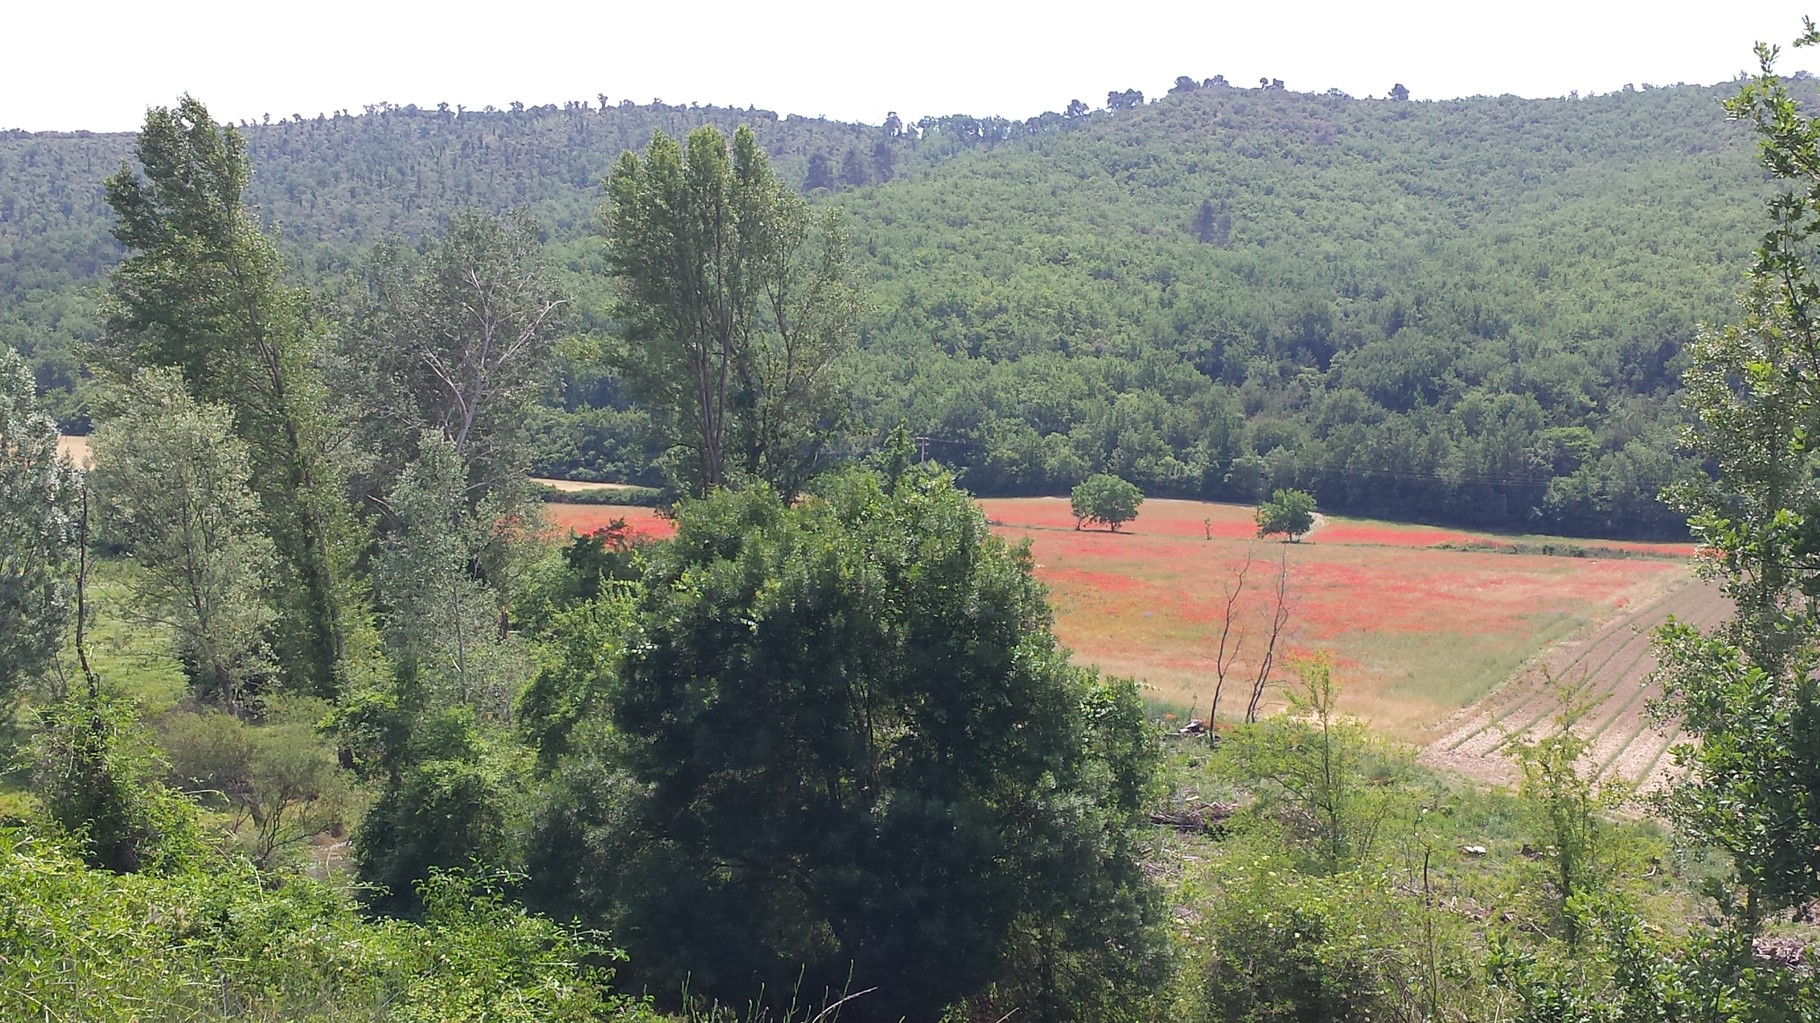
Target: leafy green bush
column 1290, row 948
column 843, row 751
column 1289, row 512
column 279, row 780
column 452, row 799
column 93, row 775
column 224, row 943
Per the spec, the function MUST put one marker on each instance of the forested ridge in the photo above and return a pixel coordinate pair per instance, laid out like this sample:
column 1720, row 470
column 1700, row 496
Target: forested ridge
column 1469, row 310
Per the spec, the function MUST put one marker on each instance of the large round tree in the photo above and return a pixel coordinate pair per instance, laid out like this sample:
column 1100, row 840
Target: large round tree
column 848, row 755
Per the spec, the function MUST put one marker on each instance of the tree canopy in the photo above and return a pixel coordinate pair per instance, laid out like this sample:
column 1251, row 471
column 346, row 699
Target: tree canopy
column 1105, row 498
column 1747, row 690
column 738, row 301
column 855, row 756
column 1454, row 311
column 1289, row 512
column 38, row 496
column 202, row 289
column 171, row 486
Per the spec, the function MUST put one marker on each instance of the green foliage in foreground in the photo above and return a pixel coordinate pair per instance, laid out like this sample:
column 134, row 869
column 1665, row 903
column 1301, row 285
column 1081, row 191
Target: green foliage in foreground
column 224, row 943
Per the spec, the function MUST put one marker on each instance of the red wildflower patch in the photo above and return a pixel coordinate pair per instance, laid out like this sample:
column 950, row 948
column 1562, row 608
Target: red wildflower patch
column 581, row 519
column 1416, row 631
column 1386, row 535
column 1156, row 517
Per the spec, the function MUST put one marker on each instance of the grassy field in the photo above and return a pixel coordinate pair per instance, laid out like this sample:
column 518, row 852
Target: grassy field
column 580, row 486
column 74, row 448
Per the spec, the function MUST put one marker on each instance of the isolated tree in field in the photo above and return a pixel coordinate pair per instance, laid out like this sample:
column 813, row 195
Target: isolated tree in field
column 170, row 479
column 1289, row 512
column 907, row 787
column 201, row 289
column 38, row 496
column 1749, row 689
column 738, row 300
column 1105, row 498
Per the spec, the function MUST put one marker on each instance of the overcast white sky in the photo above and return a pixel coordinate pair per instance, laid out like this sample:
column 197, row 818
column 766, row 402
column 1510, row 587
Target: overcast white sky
column 99, row 64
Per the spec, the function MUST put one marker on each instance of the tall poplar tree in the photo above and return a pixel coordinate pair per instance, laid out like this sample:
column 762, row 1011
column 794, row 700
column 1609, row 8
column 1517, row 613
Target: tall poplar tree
column 38, row 491
column 170, row 478
column 738, row 299
column 202, row 290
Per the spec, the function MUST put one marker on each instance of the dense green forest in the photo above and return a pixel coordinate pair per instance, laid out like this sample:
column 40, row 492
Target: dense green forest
column 1470, row 310
column 307, row 715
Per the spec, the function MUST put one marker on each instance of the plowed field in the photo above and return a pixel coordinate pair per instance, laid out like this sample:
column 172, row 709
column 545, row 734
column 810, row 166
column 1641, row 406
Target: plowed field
column 1613, row 661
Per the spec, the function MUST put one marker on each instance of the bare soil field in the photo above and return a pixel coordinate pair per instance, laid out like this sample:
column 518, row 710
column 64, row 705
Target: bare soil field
column 579, row 486
column 1614, row 661
column 76, row 449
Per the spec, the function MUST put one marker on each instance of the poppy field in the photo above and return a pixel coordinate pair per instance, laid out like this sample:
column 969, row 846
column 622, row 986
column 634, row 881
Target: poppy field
column 1420, row 622
column 581, row 519
column 1425, row 625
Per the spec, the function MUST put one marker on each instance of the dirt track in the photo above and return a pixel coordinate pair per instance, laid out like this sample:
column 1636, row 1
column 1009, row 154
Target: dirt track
column 1616, row 659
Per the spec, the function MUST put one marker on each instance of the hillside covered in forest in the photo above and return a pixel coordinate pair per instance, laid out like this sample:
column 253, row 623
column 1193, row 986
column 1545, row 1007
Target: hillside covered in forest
column 1470, row 311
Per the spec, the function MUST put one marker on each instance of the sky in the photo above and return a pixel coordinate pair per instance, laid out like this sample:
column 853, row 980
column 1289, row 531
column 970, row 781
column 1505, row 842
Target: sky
column 98, row 65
